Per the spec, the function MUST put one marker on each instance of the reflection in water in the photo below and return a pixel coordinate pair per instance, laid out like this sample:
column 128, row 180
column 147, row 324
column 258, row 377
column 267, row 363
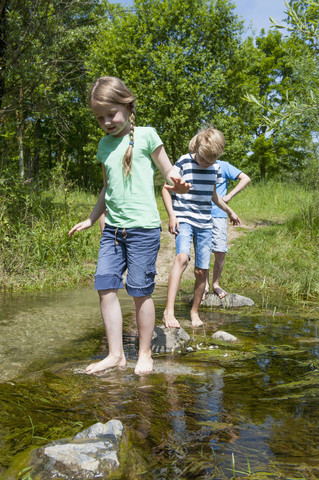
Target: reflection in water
column 257, row 401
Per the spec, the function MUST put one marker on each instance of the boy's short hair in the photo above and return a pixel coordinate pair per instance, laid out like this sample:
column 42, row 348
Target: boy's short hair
column 209, row 143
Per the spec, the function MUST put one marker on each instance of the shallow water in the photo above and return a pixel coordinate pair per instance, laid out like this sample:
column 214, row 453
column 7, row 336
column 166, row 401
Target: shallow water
column 254, row 403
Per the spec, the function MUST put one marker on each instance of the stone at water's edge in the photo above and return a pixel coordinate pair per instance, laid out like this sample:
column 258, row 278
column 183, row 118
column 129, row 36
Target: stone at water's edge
column 232, row 300
column 91, row 454
column 168, row 339
column 226, row 337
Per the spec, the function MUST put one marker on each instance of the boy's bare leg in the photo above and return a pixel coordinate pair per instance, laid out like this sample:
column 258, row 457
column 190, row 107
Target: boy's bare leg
column 217, row 272
column 145, row 318
column 200, row 280
column 112, row 318
column 179, row 266
column 206, row 290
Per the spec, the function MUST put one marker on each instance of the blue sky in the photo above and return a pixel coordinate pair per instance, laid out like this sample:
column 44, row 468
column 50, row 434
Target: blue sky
column 255, row 12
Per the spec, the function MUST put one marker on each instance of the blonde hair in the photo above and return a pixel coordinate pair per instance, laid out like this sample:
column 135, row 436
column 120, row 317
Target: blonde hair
column 111, row 90
column 209, row 143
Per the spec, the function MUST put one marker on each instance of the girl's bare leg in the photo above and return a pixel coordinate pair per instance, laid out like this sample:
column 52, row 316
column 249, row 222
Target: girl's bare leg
column 180, row 264
column 112, row 318
column 145, row 318
column 200, row 280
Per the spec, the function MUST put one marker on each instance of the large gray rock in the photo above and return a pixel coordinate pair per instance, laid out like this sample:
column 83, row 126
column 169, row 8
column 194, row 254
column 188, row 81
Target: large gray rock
column 91, row 454
column 168, row 339
column 232, row 300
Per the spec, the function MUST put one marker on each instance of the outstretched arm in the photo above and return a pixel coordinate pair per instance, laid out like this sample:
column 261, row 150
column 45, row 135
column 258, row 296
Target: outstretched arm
column 173, row 223
column 233, row 217
column 243, row 182
column 97, row 211
column 173, row 179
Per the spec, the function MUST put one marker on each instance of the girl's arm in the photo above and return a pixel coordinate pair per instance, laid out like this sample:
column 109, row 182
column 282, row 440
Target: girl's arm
column 243, row 182
column 233, row 217
column 97, row 211
column 161, row 160
column 102, row 217
column 173, row 224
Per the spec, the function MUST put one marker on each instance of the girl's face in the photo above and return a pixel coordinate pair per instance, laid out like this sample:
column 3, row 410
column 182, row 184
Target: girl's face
column 112, row 118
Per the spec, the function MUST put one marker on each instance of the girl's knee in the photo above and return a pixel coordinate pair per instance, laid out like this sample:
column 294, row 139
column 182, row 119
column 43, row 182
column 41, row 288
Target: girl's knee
column 182, row 259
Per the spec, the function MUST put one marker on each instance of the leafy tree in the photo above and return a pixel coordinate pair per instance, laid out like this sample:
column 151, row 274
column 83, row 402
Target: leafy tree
column 175, row 56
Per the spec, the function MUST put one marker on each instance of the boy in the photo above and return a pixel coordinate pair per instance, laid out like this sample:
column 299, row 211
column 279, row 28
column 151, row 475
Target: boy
column 190, row 217
column 219, row 219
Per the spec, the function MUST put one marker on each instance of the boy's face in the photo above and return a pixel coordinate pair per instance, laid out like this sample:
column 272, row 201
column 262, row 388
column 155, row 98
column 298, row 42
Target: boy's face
column 202, row 162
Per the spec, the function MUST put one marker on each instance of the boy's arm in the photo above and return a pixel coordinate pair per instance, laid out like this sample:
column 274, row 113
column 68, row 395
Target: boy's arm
column 173, row 224
column 233, row 217
column 243, row 182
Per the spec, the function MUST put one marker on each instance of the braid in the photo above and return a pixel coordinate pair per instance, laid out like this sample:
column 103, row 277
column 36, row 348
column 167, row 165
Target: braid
column 127, row 159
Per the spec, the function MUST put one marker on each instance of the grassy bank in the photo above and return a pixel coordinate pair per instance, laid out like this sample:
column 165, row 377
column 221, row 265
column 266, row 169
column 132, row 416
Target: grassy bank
column 280, row 247
column 278, row 250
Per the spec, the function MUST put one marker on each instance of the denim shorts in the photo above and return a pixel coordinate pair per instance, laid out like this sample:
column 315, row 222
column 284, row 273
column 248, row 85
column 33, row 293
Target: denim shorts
column 202, row 239
column 219, row 239
column 131, row 249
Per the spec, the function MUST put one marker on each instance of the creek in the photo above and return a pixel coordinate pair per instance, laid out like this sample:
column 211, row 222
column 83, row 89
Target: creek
column 244, row 410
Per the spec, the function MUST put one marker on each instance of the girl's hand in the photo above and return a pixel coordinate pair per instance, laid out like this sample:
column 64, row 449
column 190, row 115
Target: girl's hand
column 180, row 186
column 80, row 226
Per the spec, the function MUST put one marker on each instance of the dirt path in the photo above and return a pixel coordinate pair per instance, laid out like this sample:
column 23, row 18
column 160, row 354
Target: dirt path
column 167, row 252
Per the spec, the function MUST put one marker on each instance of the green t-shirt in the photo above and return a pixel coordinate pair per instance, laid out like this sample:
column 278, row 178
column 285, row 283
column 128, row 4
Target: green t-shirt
column 130, row 201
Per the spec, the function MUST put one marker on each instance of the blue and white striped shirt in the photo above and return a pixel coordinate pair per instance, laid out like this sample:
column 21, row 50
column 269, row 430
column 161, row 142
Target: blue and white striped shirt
column 195, row 206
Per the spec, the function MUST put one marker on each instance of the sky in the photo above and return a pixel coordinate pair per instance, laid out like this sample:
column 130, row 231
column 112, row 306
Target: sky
column 255, row 12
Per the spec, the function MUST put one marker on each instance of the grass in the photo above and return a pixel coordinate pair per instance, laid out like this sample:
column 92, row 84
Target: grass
column 279, row 249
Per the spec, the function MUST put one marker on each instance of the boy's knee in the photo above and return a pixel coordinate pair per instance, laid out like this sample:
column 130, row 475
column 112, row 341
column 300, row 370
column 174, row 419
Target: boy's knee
column 200, row 273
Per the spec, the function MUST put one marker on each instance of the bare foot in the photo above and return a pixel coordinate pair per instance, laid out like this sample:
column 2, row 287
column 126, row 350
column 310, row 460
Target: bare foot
column 170, row 321
column 108, row 362
column 144, row 364
column 220, row 292
column 196, row 321
column 205, row 294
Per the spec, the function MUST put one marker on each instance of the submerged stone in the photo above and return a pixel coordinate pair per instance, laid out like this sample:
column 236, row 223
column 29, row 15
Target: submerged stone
column 232, row 300
column 224, row 336
column 168, row 339
column 91, row 454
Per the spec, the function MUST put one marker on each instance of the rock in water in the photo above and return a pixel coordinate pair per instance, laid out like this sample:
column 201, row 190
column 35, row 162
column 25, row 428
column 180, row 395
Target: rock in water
column 168, row 339
column 232, row 300
column 90, row 454
column 226, row 337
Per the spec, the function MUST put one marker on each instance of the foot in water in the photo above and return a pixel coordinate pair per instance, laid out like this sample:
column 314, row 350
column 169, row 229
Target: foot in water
column 170, row 321
column 144, row 364
column 107, row 362
column 220, row 292
column 196, row 321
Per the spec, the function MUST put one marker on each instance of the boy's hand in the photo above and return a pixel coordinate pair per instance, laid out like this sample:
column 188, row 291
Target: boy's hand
column 80, row 226
column 173, row 225
column 180, row 186
column 234, row 218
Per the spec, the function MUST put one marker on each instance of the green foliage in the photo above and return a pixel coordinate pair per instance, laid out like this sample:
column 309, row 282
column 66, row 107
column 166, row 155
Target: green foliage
column 35, row 220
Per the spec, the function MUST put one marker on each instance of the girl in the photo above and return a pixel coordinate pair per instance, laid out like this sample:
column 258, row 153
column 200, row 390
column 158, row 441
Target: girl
column 131, row 237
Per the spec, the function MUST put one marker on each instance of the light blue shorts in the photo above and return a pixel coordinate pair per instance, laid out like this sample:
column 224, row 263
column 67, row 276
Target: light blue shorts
column 219, row 238
column 202, row 239
column 134, row 249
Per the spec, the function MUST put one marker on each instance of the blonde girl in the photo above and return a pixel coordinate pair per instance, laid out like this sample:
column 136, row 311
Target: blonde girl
column 131, row 236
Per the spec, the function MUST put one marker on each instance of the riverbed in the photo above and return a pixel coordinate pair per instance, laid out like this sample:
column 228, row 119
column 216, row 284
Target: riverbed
column 245, row 410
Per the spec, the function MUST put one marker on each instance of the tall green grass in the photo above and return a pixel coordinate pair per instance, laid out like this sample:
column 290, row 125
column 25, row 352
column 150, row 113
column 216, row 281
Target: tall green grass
column 35, row 249
column 280, row 249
